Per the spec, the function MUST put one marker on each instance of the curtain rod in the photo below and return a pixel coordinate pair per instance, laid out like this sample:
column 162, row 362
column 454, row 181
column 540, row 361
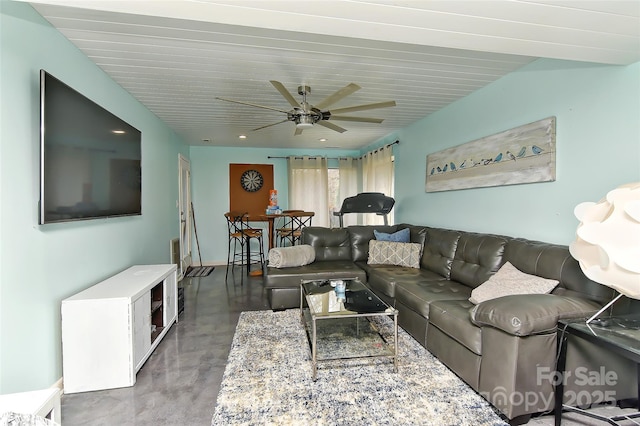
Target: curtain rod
column 338, row 158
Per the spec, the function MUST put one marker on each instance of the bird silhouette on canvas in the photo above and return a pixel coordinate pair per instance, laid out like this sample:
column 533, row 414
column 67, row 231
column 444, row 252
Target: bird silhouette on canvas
column 498, row 158
column 510, row 156
column 522, row 152
column 446, row 166
column 453, row 166
column 433, row 170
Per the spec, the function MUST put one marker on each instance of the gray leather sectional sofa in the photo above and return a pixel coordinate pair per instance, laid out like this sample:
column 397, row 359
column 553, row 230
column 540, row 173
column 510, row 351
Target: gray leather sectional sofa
column 503, row 348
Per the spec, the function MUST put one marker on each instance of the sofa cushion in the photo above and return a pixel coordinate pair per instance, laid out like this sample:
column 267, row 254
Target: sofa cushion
column 417, row 234
column 478, row 256
column 401, row 236
column 360, row 235
column 328, row 243
column 418, row 295
column 383, row 278
column 555, row 262
column 392, row 253
column 290, row 277
column 509, row 280
column 439, row 249
column 452, row 318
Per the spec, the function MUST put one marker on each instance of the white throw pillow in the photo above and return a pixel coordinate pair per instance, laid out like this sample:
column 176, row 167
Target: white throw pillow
column 392, row 253
column 509, row 280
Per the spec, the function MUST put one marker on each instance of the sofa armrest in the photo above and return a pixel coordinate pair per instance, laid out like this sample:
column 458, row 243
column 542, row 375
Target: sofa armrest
column 527, row 314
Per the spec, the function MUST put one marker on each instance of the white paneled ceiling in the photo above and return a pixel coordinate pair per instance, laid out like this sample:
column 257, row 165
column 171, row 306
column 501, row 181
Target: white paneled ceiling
column 176, row 57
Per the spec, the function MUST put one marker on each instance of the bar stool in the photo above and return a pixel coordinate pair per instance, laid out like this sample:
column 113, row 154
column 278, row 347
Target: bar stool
column 293, row 232
column 284, row 232
column 240, row 236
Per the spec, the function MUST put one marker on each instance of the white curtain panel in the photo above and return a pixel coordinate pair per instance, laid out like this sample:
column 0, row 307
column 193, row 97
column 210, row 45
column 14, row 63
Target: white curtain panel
column 309, row 187
column 377, row 176
column 350, row 171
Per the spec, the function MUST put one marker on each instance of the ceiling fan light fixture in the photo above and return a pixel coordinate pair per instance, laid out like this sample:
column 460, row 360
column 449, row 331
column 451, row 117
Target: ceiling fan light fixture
column 305, row 115
column 304, row 122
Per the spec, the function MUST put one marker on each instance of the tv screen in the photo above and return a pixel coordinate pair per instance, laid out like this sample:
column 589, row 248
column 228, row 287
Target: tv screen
column 89, row 158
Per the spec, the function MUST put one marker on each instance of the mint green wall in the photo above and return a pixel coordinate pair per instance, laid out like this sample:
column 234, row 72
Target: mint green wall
column 41, row 265
column 210, row 189
column 598, row 148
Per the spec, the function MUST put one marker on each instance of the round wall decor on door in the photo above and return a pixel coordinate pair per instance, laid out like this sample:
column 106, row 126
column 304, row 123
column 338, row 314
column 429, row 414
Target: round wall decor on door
column 251, row 180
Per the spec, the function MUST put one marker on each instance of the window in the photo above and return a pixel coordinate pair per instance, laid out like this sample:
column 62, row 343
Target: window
column 335, row 203
column 313, row 186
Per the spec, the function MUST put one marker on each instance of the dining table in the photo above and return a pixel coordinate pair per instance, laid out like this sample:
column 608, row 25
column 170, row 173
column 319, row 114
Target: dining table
column 271, row 218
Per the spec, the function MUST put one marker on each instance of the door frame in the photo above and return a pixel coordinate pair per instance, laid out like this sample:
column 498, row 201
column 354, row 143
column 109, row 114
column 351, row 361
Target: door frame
column 185, row 216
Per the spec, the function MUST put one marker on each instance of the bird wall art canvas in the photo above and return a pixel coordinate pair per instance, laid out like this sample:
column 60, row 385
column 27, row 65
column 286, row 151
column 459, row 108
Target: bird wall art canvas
column 525, row 154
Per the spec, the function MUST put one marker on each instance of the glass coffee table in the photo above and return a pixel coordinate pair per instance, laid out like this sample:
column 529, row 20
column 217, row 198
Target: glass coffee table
column 336, row 315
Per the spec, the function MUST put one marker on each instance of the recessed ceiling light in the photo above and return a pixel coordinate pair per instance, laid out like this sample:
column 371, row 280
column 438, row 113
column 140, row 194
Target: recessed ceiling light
column 118, row 132
column 322, row 139
column 242, row 136
column 206, row 140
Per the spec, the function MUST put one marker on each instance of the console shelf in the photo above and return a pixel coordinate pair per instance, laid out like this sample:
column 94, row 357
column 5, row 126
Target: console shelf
column 110, row 329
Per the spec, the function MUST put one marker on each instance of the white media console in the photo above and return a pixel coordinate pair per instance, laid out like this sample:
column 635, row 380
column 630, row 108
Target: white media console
column 110, row 329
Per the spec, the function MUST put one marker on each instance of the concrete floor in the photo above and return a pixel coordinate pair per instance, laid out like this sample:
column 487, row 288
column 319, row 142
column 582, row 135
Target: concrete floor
column 179, row 383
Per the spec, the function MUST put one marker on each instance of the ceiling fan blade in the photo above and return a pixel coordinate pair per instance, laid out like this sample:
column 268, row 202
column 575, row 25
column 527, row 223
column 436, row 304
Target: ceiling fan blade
column 359, row 119
column 342, row 93
column 269, row 125
column 285, row 93
column 331, row 126
column 253, row 105
column 298, row 132
column 363, row 107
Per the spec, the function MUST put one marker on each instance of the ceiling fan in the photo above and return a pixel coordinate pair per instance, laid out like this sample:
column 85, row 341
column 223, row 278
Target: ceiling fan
column 306, row 115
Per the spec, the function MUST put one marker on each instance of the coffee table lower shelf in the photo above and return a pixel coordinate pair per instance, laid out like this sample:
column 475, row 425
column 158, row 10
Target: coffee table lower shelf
column 348, row 337
column 344, row 334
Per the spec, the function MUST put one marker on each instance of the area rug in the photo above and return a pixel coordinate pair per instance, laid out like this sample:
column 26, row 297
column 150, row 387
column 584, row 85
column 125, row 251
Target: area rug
column 267, row 381
column 199, row 271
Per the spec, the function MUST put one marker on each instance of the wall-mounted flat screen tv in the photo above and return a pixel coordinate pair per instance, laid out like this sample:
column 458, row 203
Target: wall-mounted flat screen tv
column 89, row 158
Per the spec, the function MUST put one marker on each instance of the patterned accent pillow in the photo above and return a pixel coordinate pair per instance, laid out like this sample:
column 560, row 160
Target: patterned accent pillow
column 509, row 280
column 401, row 236
column 393, row 253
